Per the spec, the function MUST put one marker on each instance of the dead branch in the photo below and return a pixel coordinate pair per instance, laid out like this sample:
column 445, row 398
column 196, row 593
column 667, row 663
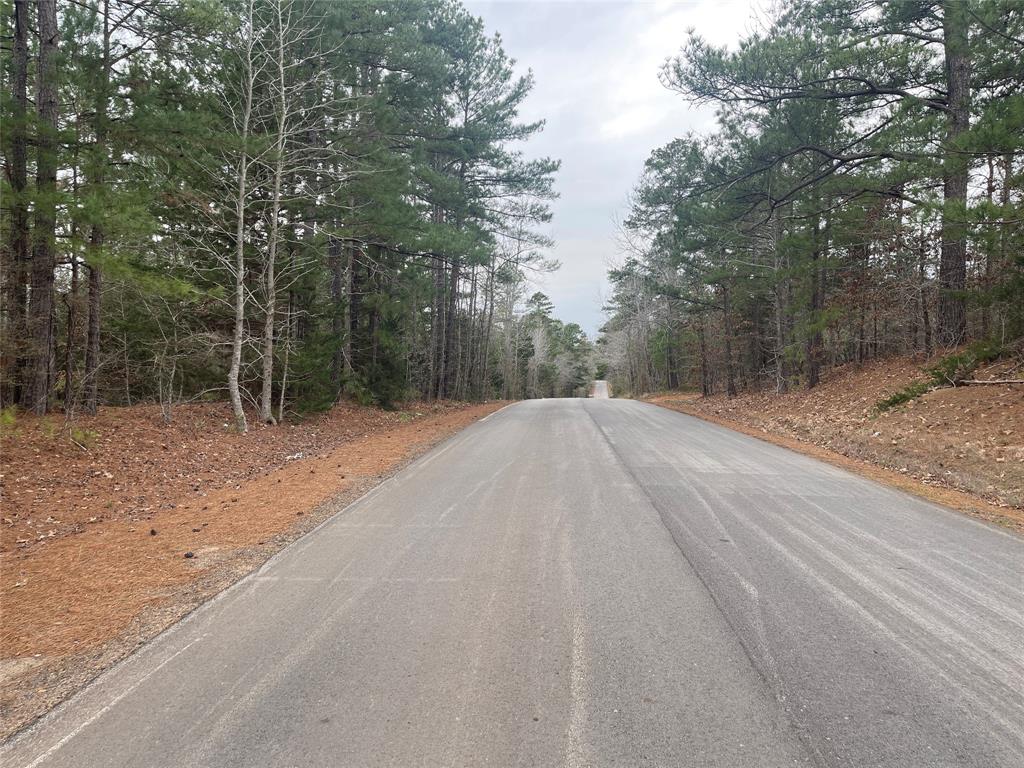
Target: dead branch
column 966, row 382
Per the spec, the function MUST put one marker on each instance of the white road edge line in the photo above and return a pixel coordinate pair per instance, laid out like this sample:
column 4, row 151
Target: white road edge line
column 252, row 577
column 485, row 418
column 113, row 702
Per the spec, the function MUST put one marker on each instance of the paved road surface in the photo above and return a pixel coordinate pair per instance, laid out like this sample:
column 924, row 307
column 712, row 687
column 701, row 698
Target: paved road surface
column 590, row 583
column 601, row 390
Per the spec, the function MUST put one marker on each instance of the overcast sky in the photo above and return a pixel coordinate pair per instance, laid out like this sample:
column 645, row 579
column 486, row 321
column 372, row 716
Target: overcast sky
column 596, row 65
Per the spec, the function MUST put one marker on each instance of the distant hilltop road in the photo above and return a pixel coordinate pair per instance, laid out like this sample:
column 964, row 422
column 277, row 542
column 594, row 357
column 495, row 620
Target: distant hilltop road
column 601, row 390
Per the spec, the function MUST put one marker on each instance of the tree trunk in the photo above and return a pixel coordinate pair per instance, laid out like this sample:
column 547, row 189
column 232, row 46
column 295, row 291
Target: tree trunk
column 373, row 330
column 90, row 380
column 874, row 331
column 779, row 295
column 270, row 310
column 98, row 235
column 238, row 327
column 274, row 230
column 450, row 363
column 92, row 343
column 671, row 374
column 466, row 383
column 349, row 316
column 71, row 331
column 355, row 288
column 1004, row 231
column 339, row 322
column 238, row 267
column 706, row 388
column 955, row 172
column 437, row 315
column 16, row 274
column 730, row 370
column 284, row 363
column 36, row 394
column 814, row 340
column 485, row 350
column 437, row 329
column 926, row 323
column 986, row 283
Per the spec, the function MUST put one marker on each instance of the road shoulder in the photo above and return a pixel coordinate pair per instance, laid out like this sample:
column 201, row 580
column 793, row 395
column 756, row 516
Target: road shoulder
column 961, row 501
column 76, row 605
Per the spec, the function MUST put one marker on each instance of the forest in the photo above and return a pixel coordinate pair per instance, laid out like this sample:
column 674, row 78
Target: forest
column 861, row 197
column 274, row 202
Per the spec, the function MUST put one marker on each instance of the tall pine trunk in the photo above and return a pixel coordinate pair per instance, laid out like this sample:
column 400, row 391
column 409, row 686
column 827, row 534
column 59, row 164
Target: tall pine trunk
column 92, row 343
column 955, row 173
column 485, row 345
column 349, row 318
column 449, row 362
column 16, row 274
column 437, row 328
column 814, row 339
column 70, row 334
column 36, row 394
column 730, row 367
column 706, row 386
column 780, row 307
column 97, row 237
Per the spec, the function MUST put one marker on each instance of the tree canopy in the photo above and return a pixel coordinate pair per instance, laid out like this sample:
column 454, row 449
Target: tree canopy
column 861, row 196
column 278, row 201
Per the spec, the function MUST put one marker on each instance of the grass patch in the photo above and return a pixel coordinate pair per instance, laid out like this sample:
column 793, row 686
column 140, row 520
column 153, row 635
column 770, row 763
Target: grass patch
column 946, row 373
column 954, row 368
column 84, row 438
column 916, row 389
column 49, row 427
column 9, row 421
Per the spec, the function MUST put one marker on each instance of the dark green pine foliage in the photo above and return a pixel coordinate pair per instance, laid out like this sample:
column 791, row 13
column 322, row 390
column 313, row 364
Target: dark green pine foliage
column 860, row 197
column 308, row 198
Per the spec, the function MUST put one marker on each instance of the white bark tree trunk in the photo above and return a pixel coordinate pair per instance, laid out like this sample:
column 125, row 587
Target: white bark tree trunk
column 274, row 230
column 237, row 336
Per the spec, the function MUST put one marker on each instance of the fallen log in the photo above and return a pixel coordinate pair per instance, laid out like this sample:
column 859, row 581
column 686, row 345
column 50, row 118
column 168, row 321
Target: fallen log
column 964, row 382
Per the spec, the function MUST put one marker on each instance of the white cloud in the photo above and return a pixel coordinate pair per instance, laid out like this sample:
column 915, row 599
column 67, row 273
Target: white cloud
column 629, row 120
column 596, row 66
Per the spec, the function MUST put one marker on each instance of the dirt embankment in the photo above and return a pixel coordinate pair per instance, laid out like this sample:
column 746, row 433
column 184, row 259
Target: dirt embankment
column 962, row 446
column 117, row 527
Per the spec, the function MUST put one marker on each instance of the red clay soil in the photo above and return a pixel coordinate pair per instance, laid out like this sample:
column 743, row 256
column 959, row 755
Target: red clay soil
column 962, row 446
column 116, row 529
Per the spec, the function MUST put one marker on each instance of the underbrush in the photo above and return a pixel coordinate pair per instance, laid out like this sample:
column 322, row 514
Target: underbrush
column 947, row 372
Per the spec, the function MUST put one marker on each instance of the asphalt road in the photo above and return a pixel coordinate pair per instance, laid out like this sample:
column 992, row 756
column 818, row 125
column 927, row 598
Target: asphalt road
column 589, row 583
